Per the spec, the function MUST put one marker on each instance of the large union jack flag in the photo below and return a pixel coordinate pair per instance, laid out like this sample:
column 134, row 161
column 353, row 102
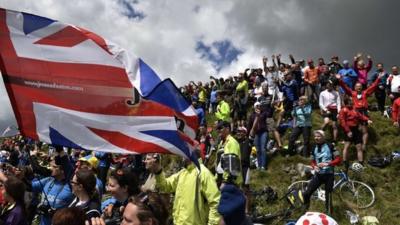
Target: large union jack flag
column 70, row 87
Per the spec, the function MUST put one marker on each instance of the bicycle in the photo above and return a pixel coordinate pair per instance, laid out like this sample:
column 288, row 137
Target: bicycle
column 353, row 192
column 279, row 216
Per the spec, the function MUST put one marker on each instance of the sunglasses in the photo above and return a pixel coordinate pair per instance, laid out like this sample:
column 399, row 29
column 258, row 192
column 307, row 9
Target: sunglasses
column 74, row 182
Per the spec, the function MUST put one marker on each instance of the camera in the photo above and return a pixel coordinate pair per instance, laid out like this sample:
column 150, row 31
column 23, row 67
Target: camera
column 46, row 210
column 115, row 219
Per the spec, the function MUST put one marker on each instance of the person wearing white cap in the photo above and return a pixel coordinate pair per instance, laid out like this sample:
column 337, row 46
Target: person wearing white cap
column 258, row 130
column 324, row 157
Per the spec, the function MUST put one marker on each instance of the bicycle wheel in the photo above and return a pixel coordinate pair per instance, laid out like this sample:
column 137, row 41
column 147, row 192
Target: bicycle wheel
column 358, row 194
column 302, row 186
column 272, row 218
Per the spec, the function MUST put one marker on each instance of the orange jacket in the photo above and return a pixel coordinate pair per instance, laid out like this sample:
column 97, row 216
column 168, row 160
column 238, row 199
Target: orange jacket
column 311, row 76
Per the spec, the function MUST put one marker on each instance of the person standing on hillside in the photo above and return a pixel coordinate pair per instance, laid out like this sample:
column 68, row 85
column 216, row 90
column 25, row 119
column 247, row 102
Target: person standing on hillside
column 330, row 105
column 223, row 112
column 348, row 75
column 350, row 119
column 380, row 93
column 301, row 125
column 360, row 100
column 394, row 84
column 311, row 81
column 396, row 112
column 228, row 145
column 334, row 65
column 196, row 192
column 362, row 69
column 257, row 128
column 324, row 157
column 290, row 88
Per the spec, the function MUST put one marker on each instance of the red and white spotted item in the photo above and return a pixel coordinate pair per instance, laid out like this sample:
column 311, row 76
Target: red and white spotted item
column 316, row 218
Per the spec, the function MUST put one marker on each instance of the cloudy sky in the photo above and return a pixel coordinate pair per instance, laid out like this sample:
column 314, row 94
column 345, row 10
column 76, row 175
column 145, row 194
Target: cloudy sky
column 191, row 40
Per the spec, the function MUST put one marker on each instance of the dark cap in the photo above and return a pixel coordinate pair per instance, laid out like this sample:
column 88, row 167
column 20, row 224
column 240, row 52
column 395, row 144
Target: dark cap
column 232, row 205
column 222, row 124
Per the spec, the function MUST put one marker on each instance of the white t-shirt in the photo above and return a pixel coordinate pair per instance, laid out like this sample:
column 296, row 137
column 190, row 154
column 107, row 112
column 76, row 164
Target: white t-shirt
column 395, row 83
column 329, row 98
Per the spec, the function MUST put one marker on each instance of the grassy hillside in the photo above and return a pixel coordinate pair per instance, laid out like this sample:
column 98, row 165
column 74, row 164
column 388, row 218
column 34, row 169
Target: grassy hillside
column 384, row 138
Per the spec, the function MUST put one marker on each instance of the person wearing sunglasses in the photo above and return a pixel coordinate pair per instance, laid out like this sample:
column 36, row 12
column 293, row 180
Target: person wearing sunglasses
column 83, row 185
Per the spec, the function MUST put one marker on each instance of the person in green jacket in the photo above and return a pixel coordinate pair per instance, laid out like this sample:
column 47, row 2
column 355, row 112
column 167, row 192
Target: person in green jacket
column 243, row 84
column 228, row 145
column 196, row 193
column 223, row 109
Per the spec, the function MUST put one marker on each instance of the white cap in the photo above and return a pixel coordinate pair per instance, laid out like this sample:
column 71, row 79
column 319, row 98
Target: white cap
column 321, row 132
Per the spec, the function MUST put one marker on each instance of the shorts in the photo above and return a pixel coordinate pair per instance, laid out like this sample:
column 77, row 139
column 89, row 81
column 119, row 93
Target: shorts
column 365, row 113
column 332, row 116
column 271, row 126
column 357, row 136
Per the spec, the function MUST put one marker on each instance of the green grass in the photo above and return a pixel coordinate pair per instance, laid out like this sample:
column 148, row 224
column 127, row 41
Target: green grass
column 384, row 139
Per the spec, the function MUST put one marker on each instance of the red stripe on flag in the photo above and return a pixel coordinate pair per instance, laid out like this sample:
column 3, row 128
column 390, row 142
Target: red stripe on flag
column 96, row 38
column 129, row 143
column 188, row 140
column 67, row 37
column 107, row 105
column 87, row 73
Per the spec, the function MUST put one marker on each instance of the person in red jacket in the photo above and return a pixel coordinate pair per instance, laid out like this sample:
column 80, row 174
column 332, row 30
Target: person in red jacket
column 360, row 101
column 350, row 119
column 395, row 112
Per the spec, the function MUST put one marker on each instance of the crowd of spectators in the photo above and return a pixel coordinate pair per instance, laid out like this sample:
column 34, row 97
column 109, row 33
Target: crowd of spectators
column 266, row 109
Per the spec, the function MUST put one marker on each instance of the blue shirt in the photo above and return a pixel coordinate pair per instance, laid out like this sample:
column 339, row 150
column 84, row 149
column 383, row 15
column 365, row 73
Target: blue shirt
column 107, row 202
column 302, row 116
column 213, row 96
column 99, row 187
column 201, row 115
column 59, row 195
column 383, row 79
column 290, row 90
column 324, row 153
column 104, row 158
column 349, row 77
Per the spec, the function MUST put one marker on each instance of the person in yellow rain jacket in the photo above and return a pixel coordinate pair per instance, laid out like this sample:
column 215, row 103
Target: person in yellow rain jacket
column 196, row 193
column 243, row 84
column 223, row 109
column 227, row 146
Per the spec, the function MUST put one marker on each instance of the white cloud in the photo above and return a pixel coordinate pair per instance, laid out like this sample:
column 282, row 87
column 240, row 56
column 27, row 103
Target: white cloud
column 6, row 113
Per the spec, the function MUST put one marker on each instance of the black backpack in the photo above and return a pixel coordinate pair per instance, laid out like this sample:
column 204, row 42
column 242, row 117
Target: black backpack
column 379, row 161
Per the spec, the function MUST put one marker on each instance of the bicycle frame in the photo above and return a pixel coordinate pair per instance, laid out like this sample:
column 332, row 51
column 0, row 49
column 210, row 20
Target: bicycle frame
column 343, row 179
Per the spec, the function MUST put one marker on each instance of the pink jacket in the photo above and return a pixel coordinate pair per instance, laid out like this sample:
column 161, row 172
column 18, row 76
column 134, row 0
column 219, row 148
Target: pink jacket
column 363, row 73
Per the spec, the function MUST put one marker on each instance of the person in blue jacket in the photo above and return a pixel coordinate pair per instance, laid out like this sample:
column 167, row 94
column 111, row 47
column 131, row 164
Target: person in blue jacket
column 290, row 90
column 301, row 125
column 103, row 167
column 55, row 190
column 324, row 158
column 348, row 75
